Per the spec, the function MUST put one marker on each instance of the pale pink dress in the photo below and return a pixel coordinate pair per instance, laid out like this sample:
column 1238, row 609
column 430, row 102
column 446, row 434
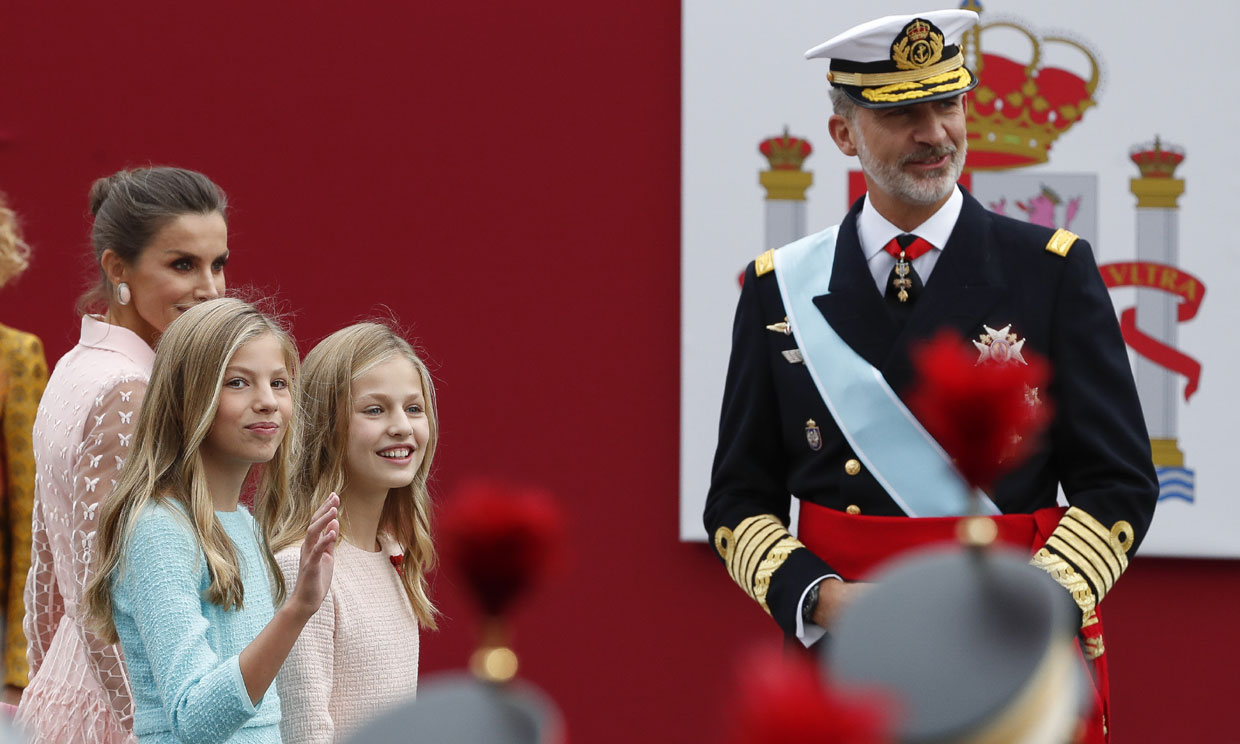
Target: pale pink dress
column 78, row 691
column 358, row 655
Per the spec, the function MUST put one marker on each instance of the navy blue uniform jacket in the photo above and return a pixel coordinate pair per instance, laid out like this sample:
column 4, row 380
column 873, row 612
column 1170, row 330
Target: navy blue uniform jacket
column 994, row 271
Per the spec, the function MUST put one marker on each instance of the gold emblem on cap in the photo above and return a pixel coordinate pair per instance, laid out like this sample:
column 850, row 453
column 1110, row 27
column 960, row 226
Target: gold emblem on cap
column 853, row 509
column 919, row 46
column 852, row 467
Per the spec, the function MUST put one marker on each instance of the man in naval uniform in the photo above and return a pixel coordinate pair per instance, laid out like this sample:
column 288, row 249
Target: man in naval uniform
column 821, row 350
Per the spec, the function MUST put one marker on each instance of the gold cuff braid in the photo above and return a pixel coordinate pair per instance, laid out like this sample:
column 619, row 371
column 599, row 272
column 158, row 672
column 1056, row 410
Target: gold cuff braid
column 1086, row 558
column 754, row 551
column 1068, row 578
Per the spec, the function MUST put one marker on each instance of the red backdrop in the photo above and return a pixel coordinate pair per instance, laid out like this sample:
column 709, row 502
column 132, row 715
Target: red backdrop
column 504, row 177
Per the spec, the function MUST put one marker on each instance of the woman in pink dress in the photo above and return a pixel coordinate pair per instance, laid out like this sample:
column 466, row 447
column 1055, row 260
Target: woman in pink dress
column 161, row 241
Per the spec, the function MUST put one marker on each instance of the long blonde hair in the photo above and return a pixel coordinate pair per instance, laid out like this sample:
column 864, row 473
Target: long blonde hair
column 326, row 386
column 165, row 465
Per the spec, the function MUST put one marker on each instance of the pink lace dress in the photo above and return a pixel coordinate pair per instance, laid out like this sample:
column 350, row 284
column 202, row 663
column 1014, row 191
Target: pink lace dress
column 78, row 691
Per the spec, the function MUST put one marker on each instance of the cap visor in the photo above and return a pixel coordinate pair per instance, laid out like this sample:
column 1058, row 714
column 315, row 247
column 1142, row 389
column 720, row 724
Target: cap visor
column 961, row 80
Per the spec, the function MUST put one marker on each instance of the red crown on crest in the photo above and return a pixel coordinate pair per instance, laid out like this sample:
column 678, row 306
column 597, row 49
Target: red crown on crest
column 918, row 30
column 1156, row 161
column 785, row 152
column 1020, row 108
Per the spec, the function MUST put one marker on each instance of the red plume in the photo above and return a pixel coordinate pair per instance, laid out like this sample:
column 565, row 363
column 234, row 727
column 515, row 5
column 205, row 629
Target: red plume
column 783, row 700
column 501, row 538
column 985, row 414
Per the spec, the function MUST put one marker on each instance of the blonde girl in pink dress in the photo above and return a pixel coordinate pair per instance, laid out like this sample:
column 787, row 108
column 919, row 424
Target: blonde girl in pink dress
column 161, row 242
column 369, row 434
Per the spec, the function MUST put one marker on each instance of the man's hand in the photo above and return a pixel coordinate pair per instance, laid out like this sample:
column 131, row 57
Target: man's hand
column 834, row 596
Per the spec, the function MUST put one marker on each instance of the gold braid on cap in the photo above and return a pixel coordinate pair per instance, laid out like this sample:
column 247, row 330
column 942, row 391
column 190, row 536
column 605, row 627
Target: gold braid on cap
column 898, row 92
column 867, row 79
column 754, row 551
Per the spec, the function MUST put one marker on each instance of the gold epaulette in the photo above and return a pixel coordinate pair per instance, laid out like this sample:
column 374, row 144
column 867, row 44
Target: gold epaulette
column 1086, row 558
column 765, row 263
column 1061, row 242
column 754, row 551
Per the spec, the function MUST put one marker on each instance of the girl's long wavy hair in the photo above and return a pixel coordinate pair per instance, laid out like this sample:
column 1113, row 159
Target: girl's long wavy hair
column 326, row 386
column 165, row 463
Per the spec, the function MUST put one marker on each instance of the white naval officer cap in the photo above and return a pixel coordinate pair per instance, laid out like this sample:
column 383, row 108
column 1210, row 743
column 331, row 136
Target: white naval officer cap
column 901, row 59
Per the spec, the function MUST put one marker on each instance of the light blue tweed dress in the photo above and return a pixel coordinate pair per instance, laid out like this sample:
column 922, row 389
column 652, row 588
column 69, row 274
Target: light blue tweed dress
column 183, row 652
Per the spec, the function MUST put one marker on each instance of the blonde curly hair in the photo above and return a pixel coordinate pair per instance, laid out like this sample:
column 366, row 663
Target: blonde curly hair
column 14, row 253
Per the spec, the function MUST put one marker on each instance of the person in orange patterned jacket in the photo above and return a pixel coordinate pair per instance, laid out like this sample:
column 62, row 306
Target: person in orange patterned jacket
column 23, row 375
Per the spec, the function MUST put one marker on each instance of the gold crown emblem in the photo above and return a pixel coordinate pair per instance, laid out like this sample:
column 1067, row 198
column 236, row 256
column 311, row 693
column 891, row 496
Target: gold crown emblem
column 918, row 46
column 918, row 30
column 1019, row 109
column 785, row 152
column 1156, row 161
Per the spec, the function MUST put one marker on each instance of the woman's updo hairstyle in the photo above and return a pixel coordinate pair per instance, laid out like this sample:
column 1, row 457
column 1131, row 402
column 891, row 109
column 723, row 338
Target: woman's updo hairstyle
column 131, row 206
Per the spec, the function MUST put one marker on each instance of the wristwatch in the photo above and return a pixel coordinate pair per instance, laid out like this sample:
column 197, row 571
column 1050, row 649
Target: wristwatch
column 810, row 604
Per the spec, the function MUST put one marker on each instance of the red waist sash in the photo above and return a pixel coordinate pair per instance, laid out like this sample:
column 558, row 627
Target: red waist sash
column 854, row 544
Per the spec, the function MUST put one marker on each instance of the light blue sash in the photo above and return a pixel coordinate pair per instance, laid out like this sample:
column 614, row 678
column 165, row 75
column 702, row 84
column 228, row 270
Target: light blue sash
column 887, row 438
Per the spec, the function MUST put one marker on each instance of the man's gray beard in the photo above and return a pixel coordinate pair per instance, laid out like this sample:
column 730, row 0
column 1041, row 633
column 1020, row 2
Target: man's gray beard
column 930, row 188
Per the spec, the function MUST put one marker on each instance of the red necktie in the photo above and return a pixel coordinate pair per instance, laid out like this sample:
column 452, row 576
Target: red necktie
column 903, row 285
column 912, row 246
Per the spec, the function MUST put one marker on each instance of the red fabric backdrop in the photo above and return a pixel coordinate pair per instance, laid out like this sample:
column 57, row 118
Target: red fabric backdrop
column 504, row 177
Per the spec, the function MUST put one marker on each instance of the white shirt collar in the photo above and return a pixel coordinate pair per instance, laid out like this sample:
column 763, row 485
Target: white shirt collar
column 874, row 231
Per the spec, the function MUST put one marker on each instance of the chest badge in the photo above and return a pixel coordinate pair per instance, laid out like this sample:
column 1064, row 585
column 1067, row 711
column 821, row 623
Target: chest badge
column 813, row 435
column 781, row 327
column 1001, row 346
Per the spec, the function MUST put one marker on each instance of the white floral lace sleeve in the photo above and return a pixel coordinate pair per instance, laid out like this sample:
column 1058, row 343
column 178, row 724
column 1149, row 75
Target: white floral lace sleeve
column 44, row 604
column 109, row 434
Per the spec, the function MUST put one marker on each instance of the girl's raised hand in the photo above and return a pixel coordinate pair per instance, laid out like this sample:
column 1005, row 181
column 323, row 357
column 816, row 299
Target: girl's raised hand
column 314, row 573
